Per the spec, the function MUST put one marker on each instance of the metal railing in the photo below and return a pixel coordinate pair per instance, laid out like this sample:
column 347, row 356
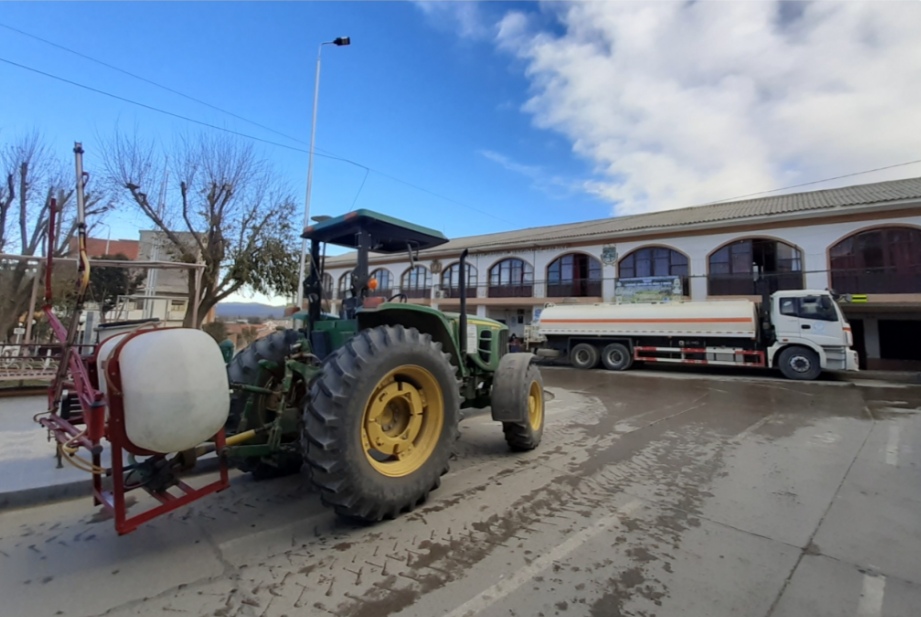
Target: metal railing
column 510, row 291
column 32, row 362
column 855, row 281
column 745, row 285
column 905, row 280
column 575, row 289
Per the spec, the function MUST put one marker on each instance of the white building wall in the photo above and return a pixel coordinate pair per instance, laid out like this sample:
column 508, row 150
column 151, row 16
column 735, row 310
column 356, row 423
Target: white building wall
column 813, row 241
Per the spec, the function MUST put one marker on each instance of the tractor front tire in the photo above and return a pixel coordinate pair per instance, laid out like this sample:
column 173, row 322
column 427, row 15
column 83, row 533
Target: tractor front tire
column 244, row 369
column 381, row 423
column 521, row 396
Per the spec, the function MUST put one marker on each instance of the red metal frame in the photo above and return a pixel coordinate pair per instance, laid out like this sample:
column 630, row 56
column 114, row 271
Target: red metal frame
column 77, row 374
column 638, row 355
column 92, row 416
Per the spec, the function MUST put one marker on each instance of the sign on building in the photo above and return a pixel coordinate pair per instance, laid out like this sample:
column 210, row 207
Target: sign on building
column 648, row 290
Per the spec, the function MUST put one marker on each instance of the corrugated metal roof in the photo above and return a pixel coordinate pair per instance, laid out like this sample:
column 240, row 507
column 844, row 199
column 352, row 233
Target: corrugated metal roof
column 794, row 203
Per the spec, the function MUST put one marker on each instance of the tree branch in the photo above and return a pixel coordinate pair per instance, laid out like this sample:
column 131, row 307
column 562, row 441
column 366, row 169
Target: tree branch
column 184, row 190
column 23, row 201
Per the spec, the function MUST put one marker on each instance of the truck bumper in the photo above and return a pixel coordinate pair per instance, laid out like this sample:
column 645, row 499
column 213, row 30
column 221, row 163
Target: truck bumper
column 853, row 363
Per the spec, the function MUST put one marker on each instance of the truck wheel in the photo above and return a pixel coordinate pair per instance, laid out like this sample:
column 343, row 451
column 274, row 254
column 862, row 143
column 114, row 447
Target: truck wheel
column 521, row 396
column 584, row 356
column 799, row 363
column 381, row 422
column 616, row 357
column 245, row 369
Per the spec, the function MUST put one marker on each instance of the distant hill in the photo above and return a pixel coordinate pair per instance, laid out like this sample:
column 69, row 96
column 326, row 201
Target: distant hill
column 242, row 310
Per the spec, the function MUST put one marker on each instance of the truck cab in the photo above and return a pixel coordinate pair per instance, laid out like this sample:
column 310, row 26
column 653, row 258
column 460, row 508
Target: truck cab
column 809, row 320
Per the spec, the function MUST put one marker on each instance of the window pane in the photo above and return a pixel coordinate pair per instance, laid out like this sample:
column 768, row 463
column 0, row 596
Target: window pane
column 788, row 307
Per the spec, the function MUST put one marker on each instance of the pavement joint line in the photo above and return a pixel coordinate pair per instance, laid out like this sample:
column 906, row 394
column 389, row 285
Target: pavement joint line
column 818, row 526
column 751, row 429
column 505, row 587
column 892, row 447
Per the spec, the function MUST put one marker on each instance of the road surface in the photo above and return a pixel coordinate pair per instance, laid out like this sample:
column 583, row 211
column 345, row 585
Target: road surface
column 652, row 494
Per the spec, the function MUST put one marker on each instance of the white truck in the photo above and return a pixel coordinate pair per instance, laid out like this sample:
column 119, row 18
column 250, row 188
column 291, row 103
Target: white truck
column 801, row 333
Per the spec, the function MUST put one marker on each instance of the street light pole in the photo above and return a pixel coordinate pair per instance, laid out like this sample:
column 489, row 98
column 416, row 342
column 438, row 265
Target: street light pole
column 338, row 42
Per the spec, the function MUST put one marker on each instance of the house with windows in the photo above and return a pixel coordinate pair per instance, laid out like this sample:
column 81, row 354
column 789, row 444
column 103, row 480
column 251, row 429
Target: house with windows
column 164, row 293
column 862, row 241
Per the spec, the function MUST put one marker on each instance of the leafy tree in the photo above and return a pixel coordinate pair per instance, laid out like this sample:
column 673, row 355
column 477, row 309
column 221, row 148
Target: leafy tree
column 217, row 329
column 216, row 203
column 249, row 334
column 107, row 283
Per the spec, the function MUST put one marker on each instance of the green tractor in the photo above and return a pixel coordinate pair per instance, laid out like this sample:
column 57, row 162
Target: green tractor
column 368, row 401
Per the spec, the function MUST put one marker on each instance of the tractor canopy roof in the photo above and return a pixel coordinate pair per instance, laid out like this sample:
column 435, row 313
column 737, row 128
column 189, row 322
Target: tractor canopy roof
column 388, row 234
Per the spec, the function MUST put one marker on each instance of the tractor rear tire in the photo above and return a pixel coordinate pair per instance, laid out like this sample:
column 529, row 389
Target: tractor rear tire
column 244, row 369
column 526, row 395
column 381, row 423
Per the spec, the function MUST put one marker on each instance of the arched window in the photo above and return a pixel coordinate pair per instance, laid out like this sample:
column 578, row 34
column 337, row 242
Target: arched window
column 574, row 275
column 450, row 281
column 327, row 285
column 345, row 284
column 883, row 260
column 416, row 282
column 511, row 278
column 384, row 282
column 655, row 261
column 732, row 268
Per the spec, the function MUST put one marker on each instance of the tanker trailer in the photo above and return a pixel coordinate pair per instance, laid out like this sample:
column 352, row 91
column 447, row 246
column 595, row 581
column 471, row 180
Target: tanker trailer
column 800, row 333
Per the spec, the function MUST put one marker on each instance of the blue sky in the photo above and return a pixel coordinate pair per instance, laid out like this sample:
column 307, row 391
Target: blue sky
column 407, row 98
column 526, row 113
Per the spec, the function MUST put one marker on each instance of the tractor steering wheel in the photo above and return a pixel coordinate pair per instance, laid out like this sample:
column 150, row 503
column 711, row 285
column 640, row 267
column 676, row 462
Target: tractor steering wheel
column 401, row 296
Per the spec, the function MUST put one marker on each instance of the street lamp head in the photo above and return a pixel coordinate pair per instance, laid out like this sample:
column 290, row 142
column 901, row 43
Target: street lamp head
column 342, row 41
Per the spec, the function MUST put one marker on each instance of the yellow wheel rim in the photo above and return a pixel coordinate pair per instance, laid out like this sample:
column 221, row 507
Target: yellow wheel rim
column 535, row 405
column 402, row 421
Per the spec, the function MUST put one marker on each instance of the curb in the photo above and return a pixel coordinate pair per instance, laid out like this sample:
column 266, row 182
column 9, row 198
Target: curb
column 66, row 491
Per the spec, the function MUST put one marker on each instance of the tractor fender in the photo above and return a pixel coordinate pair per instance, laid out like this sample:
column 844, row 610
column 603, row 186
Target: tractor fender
column 508, row 383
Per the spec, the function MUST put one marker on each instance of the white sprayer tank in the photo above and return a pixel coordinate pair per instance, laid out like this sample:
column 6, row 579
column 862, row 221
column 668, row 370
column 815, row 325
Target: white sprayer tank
column 103, row 352
column 175, row 389
column 724, row 319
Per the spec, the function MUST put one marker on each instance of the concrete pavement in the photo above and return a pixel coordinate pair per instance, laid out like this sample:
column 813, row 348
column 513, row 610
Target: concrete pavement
column 651, row 495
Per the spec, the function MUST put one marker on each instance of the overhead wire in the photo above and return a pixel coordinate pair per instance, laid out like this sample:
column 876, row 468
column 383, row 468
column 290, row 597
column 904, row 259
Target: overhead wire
column 320, row 151
column 317, row 151
column 796, row 186
column 148, row 81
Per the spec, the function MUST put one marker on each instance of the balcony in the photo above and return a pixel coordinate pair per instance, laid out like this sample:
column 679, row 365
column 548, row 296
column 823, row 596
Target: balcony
column 744, row 284
column 574, row 289
column 424, row 292
column 511, row 291
column 454, row 292
column 904, row 280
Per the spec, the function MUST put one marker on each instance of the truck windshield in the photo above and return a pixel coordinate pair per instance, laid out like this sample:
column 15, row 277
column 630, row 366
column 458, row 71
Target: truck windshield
column 821, row 308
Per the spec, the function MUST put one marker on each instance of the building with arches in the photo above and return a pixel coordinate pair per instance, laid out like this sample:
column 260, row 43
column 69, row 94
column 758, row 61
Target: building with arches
column 863, row 241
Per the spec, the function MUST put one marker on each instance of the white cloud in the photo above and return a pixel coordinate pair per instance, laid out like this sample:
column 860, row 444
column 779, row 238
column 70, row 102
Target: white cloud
column 554, row 185
column 467, row 18
column 677, row 104
column 531, row 171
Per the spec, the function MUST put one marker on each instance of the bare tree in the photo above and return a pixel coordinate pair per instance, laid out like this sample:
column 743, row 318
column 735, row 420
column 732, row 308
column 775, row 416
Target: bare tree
column 214, row 202
column 32, row 176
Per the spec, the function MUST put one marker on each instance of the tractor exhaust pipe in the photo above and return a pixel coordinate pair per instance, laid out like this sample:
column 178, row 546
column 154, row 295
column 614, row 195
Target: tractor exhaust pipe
column 462, row 321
